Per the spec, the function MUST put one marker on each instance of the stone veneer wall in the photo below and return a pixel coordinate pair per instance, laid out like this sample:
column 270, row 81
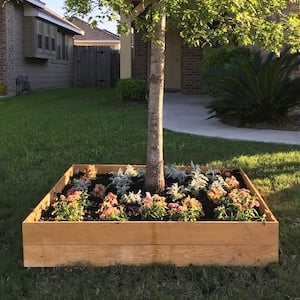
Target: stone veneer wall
column 190, row 65
column 2, row 46
column 190, row 70
column 7, row 48
column 140, row 57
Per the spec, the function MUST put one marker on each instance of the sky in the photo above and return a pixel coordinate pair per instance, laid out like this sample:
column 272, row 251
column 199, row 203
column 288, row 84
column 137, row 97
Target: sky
column 57, row 6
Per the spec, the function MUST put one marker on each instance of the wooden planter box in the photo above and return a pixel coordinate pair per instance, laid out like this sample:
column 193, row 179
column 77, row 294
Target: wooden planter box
column 103, row 243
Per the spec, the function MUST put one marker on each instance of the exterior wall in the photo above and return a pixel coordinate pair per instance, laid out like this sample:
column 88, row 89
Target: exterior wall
column 190, row 70
column 140, row 57
column 7, row 48
column 2, row 46
column 190, row 65
column 42, row 73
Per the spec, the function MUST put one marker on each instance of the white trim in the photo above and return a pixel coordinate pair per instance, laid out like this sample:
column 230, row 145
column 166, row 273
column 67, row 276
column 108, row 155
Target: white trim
column 37, row 3
column 30, row 11
column 82, row 43
column 97, row 41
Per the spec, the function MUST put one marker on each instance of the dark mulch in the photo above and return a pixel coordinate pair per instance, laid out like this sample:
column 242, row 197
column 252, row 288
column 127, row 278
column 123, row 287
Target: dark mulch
column 292, row 124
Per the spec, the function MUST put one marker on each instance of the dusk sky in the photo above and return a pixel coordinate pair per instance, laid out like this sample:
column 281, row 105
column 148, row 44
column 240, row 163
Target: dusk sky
column 57, row 6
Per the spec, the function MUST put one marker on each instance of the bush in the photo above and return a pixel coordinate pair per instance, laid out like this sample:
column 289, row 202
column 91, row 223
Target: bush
column 131, row 89
column 2, row 89
column 220, row 57
column 260, row 90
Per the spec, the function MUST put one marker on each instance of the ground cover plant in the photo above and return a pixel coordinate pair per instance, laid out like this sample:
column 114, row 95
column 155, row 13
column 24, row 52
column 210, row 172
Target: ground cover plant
column 43, row 133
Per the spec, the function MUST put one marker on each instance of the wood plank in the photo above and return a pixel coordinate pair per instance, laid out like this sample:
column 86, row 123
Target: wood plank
column 139, row 242
column 180, row 255
column 155, row 233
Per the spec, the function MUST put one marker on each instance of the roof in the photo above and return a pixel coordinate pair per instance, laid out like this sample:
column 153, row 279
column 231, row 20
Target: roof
column 38, row 9
column 94, row 34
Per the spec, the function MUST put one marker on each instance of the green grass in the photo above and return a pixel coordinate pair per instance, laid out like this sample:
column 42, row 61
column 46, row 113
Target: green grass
column 43, row 133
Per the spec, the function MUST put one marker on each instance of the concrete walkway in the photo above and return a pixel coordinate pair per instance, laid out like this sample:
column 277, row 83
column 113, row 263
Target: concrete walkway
column 187, row 114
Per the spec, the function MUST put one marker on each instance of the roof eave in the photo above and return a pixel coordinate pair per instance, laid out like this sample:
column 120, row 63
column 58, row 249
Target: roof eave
column 30, row 11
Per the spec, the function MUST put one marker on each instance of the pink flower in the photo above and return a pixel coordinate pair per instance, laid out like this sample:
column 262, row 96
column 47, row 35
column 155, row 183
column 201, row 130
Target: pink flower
column 111, row 199
column 99, row 190
column 173, row 208
column 74, row 197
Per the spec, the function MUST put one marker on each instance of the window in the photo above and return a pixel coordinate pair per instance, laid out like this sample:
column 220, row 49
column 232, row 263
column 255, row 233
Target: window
column 53, row 45
column 62, row 47
column 39, row 38
column 39, row 25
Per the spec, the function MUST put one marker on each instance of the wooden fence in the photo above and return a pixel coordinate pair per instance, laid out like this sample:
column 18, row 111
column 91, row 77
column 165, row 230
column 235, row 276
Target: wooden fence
column 96, row 66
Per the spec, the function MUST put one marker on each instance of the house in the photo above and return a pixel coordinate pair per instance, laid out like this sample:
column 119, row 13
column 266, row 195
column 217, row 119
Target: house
column 182, row 63
column 95, row 36
column 36, row 44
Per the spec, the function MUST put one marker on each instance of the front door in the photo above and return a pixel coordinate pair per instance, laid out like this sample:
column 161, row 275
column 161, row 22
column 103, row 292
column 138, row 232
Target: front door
column 173, row 61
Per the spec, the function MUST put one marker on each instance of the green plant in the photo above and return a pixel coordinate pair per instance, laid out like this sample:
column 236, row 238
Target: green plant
column 176, row 192
column 259, row 90
column 198, row 181
column 2, row 89
column 214, row 58
column 187, row 210
column 239, row 205
column 121, row 180
column 175, row 174
column 70, row 207
column 132, row 198
column 110, row 210
column 131, row 89
column 154, row 207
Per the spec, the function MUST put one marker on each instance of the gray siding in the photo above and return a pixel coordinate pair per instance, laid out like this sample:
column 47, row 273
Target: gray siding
column 42, row 73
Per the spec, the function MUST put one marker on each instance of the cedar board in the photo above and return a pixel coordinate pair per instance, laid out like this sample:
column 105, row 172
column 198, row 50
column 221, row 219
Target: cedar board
column 104, row 243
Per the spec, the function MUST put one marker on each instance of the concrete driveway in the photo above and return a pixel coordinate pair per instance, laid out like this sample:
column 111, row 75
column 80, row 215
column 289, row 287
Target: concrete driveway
column 187, row 114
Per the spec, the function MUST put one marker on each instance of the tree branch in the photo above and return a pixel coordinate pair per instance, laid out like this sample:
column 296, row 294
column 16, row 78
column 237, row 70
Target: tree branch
column 140, row 8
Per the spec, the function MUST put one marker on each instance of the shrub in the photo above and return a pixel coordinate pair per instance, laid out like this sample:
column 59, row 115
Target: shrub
column 220, row 57
column 2, row 89
column 260, row 90
column 131, row 89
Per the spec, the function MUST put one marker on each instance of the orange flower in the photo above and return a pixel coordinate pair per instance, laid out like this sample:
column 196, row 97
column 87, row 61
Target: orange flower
column 111, row 199
column 215, row 194
column 74, row 197
column 232, row 182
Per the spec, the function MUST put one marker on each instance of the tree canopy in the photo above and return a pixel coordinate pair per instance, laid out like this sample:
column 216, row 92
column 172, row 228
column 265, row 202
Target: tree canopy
column 266, row 23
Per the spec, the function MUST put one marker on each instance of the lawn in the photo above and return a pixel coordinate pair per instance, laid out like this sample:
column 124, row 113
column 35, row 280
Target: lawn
column 43, row 133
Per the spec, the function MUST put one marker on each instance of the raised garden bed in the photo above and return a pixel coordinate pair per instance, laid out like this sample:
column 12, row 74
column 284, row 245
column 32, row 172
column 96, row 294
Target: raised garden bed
column 103, row 243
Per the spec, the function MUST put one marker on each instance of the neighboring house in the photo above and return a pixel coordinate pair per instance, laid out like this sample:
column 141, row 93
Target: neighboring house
column 182, row 63
column 95, row 36
column 35, row 42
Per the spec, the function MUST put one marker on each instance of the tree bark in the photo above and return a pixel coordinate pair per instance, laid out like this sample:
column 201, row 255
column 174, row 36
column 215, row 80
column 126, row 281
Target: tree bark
column 154, row 177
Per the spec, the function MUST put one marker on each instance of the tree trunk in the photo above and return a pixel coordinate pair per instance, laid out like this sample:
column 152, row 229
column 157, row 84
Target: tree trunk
column 154, row 177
